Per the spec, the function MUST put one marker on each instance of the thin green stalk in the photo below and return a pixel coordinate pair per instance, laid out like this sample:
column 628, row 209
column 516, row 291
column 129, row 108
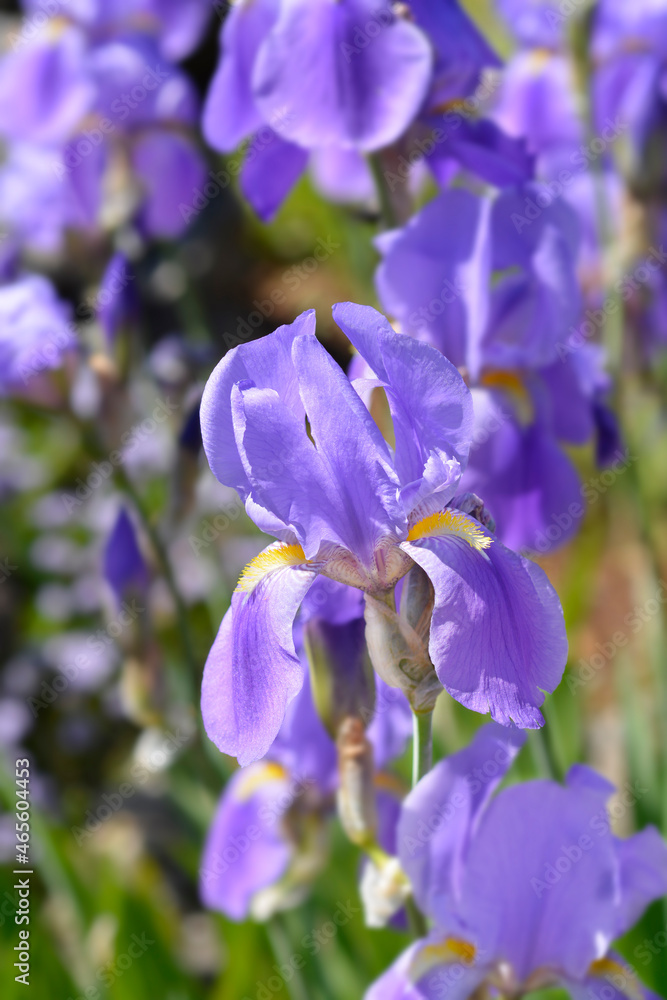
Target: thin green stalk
column 543, row 756
column 124, row 483
column 422, row 745
column 387, row 207
column 416, row 919
column 280, row 945
column 165, row 565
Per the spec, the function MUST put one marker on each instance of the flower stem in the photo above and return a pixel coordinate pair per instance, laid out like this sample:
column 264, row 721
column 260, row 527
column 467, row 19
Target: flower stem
column 422, row 745
column 279, row 941
column 416, row 919
column 164, row 561
column 388, row 211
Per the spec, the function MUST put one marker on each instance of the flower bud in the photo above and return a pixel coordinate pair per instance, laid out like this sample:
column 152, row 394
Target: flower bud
column 384, row 891
column 398, row 644
column 341, row 674
column 356, row 791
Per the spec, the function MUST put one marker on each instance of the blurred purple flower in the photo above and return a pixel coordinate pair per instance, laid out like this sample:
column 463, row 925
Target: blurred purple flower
column 336, row 80
column 527, row 889
column 495, row 289
column 630, row 55
column 125, row 568
column 177, row 25
column 90, row 97
column 36, row 332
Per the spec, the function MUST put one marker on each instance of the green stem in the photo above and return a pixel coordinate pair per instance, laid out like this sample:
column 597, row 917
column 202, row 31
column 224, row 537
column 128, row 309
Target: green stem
column 416, row 919
column 165, row 565
column 124, row 483
column 280, row 945
column 543, row 754
column 388, row 211
column 422, row 745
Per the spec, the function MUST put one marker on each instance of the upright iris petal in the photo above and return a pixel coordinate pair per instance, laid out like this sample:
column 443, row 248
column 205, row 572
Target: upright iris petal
column 231, row 112
column 55, row 90
column 436, row 865
column 432, row 416
column 346, row 73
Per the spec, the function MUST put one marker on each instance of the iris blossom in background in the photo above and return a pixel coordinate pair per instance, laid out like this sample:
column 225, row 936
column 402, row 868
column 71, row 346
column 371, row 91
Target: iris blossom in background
column 99, row 122
column 498, row 295
column 36, row 335
column 284, row 426
column 326, row 83
column 526, row 889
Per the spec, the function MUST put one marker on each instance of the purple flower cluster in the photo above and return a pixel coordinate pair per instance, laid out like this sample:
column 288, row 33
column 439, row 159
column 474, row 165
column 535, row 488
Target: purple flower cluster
column 373, row 481
column 98, row 120
column 402, row 497
column 324, row 83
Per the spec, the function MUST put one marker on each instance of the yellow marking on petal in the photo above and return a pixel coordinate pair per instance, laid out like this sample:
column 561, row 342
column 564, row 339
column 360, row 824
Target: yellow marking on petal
column 445, row 953
column 257, row 777
column 56, row 27
column 389, row 783
column 539, row 58
column 513, row 385
column 450, row 522
column 455, row 104
column 271, row 559
column 609, row 968
column 510, row 381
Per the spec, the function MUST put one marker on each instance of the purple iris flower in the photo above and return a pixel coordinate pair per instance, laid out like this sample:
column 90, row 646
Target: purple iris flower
column 537, row 102
column 630, row 83
column 526, row 889
column 284, row 426
column 269, row 837
column 177, row 25
column 36, row 333
column 436, row 279
column 495, row 288
column 335, row 79
column 84, row 102
column 537, row 97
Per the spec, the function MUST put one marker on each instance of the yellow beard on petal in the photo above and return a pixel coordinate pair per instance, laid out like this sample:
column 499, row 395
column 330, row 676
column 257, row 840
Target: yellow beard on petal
column 608, row 968
column 255, row 778
column 273, row 558
column 450, row 522
column 513, row 385
column 447, row 952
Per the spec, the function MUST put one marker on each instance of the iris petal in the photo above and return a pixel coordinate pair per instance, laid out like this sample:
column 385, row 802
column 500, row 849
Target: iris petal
column 252, row 672
column 497, row 634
